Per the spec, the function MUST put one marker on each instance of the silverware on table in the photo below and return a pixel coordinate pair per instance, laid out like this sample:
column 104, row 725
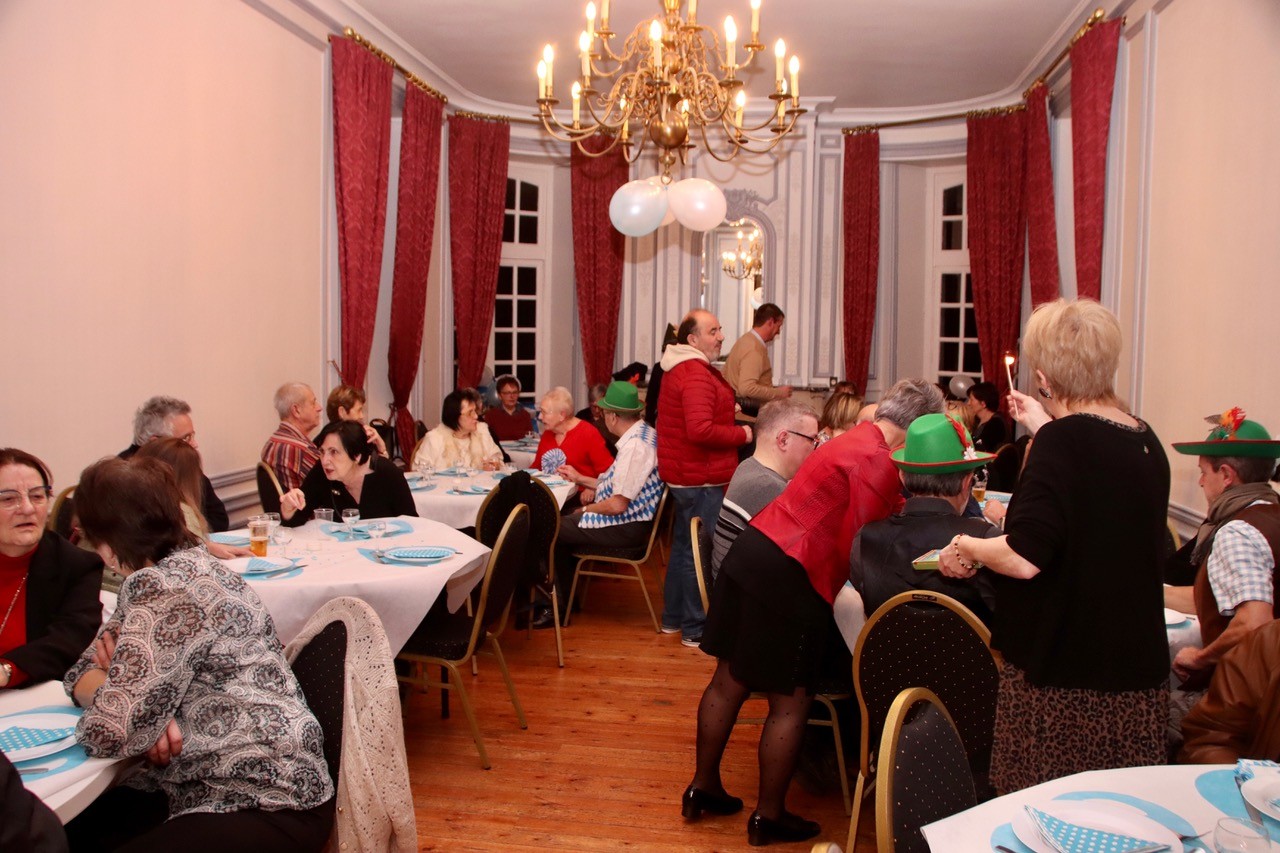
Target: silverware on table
column 29, row 771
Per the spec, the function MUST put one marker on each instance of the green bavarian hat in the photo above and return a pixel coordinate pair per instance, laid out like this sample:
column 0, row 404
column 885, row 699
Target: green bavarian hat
column 621, row 397
column 938, row 444
column 1232, row 435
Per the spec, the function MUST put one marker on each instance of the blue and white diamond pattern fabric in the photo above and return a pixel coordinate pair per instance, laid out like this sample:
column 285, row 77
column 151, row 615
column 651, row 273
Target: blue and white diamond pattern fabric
column 1072, row 838
column 21, row 737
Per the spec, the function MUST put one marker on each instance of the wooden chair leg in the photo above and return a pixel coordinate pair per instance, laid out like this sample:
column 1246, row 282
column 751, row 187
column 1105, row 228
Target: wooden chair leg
column 840, row 766
column 555, row 614
column 444, row 691
column 511, row 687
column 573, row 590
column 470, row 712
column 657, row 628
column 860, row 790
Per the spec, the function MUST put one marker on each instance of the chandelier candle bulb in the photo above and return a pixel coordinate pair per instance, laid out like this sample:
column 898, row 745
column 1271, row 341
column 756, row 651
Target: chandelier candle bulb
column 755, row 21
column 542, row 79
column 591, row 22
column 655, row 36
column 584, row 49
column 604, row 15
column 693, row 12
column 730, row 43
column 779, row 56
column 577, row 103
column 794, row 67
column 740, row 102
column 549, row 58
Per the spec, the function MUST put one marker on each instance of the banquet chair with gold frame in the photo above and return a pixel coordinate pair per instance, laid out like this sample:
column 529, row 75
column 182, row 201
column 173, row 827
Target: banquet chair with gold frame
column 449, row 640
column 925, row 774
column 632, row 557
column 924, row 639
column 269, row 490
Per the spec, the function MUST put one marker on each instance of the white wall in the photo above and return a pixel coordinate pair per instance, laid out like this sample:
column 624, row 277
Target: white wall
column 163, row 175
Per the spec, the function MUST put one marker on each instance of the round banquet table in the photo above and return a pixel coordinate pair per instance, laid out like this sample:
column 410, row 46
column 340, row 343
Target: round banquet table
column 521, row 452
column 455, row 501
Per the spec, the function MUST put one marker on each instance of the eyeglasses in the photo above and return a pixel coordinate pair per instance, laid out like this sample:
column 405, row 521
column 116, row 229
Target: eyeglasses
column 812, row 439
column 11, row 499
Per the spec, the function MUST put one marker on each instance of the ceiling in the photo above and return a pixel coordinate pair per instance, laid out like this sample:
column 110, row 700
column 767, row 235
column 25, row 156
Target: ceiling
column 890, row 55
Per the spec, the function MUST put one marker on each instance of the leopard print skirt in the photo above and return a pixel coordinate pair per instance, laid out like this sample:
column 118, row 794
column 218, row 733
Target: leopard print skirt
column 1045, row 733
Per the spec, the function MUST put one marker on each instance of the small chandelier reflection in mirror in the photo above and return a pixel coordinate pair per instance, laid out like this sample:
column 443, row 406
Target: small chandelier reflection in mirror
column 668, row 80
column 748, row 260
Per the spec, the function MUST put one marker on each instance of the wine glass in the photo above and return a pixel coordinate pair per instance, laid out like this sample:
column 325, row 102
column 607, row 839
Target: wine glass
column 980, row 485
column 283, row 537
column 274, row 518
column 1234, row 835
column 376, row 529
column 349, row 519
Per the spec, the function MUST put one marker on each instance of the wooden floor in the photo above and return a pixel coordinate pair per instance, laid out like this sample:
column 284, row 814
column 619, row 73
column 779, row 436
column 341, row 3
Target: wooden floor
column 608, row 751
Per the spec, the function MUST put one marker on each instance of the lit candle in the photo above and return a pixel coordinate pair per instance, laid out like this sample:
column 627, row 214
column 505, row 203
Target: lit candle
column 730, row 43
column 591, row 20
column 604, row 14
column 740, row 100
column 693, row 12
column 655, row 36
column 549, row 58
column 779, row 55
column 755, row 21
column 584, row 48
column 542, row 79
column 1008, row 370
column 795, row 80
column 577, row 102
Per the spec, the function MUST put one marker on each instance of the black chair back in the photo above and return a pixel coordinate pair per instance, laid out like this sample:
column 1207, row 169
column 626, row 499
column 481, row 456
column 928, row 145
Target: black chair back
column 268, row 489
column 924, row 771
column 506, row 565
column 321, row 672
column 924, row 639
column 544, row 520
column 387, row 433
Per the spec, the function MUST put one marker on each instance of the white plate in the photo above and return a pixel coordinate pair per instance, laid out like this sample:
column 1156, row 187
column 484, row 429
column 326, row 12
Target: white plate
column 1260, row 791
column 40, row 721
column 1174, row 617
column 1107, row 815
column 240, row 565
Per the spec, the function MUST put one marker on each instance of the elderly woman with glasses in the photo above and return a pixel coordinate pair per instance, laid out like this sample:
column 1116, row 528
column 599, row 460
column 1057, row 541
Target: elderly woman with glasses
column 49, row 609
column 460, row 438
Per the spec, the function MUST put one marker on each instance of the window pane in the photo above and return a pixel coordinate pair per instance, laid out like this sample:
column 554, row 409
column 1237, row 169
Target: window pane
column 511, row 194
column 502, row 314
column 952, row 235
column 948, row 356
column 527, row 281
column 970, row 324
column 501, row 348
column 972, row 359
column 504, row 281
column 528, row 376
column 527, row 346
column 528, row 196
column 509, row 228
column 952, row 201
column 951, row 287
column 528, row 229
column 500, row 369
column 950, row 323
column 527, row 314
column 968, row 287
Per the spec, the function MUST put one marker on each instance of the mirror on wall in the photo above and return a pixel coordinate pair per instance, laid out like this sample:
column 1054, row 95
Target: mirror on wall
column 733, row 264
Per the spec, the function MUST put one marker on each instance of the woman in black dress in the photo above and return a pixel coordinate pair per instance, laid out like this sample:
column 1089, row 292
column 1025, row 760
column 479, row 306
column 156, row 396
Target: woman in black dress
column 1079, row 601
column 350, row 475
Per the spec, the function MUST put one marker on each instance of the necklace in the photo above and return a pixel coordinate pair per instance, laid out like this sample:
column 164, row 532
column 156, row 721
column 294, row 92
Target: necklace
column 16, row 593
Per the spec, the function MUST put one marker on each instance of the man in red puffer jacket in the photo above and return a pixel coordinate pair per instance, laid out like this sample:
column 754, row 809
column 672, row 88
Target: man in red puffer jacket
column 697, row 453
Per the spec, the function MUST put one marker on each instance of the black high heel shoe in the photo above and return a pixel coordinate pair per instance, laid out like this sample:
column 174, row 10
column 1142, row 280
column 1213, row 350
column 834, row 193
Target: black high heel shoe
column 696, row 801
column 761, row 830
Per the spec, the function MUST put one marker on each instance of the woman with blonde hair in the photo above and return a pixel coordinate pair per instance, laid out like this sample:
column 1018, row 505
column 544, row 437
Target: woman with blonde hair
column 1079, row 603
column 184, row 460
column 839, row 414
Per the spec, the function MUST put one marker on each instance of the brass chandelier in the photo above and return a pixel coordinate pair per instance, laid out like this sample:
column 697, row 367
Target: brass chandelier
column 669, row 80
column 747, row 261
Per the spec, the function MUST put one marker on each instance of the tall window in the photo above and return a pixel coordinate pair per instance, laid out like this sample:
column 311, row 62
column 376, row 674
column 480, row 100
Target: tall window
column 514, row 346
column 957, row 329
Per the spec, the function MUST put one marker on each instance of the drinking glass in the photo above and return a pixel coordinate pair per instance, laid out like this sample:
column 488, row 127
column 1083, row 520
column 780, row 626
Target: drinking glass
column 980, row 485
column 274, row 518
column 283, row 537
column 325, row 514
column 1234, row 835
column 426, row 469
column 313, row 547
column 259, row 531
column 349, row 519
column 376, row 529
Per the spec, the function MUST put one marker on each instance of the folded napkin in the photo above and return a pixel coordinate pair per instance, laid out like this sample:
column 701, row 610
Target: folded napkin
column 1247, row 768
column 447, row 472
column 422, row 487
column 22, row 737
column 257, row 564
column 1072, row 838
column 229, row 539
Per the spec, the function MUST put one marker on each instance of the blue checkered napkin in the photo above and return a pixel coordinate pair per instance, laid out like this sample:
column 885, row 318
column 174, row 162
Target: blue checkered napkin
column 553, row 459
column 1247, row 768
column 229, row 539
column 1072, row 838
column 427, row 553
column 21, row 737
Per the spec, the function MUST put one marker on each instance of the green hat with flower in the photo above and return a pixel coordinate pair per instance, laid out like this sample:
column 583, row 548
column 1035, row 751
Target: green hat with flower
column 621, row 396
column 939, row 444
column 1232, row 435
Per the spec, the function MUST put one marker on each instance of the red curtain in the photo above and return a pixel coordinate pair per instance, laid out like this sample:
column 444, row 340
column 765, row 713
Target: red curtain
column 478, row 150
column 997, row 235
column 598, row 250
column 361, row 148
column 1042, row 237
column 415, row 225
column 1093, row 77
column 861, row 213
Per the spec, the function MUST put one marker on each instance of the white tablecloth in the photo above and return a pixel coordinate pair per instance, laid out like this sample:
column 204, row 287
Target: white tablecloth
column 70, row 780
column 440, row 504
column 1188, row 799
column 401, row 595
column 521, row 453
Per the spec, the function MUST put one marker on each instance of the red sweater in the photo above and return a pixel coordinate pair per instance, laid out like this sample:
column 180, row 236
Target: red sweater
column 13, row 570
column 509, row 427
column 583, row 448
column 846, row 483
column 697, row 439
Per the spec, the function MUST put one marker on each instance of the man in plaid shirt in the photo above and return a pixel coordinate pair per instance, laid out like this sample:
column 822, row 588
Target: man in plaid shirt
column 289, row 451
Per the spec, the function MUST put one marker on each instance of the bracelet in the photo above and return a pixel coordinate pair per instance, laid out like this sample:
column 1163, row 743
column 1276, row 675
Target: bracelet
column 964, row 564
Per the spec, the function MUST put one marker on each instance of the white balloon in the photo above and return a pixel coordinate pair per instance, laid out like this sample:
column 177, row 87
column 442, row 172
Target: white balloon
column 960, row 386
column 671, row 214
column 670, row 217
column 637, row 208
column 699, row 204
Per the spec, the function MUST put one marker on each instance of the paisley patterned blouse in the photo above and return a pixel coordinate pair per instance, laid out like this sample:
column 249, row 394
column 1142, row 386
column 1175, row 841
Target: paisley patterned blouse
column 195, row 644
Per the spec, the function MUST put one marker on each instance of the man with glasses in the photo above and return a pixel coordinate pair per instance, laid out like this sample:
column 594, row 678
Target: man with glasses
column 169, row 417
column 509, row 421
column 786, row 433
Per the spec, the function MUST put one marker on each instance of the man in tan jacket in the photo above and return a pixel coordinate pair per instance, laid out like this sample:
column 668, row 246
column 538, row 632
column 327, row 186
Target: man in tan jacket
column 748, row 368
